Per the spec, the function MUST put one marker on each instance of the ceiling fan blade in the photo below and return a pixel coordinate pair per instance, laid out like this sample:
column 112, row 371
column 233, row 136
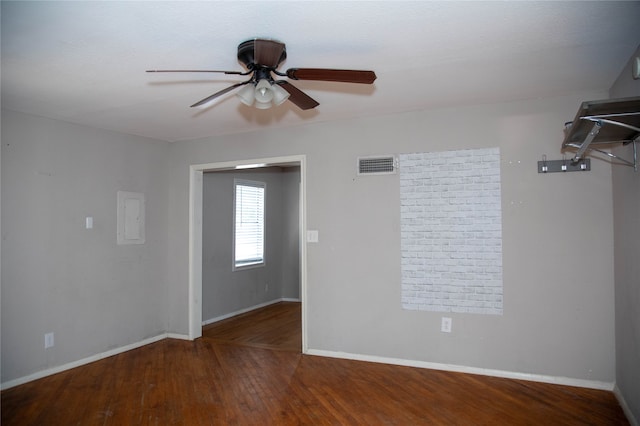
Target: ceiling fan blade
column 268, row 52
column 323, row 74
column 220, row 93
column 218, row 71
column 297, row 96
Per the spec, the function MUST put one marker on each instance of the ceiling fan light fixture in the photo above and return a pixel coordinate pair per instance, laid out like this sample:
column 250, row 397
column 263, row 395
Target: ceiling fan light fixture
column 279, row 94
column 264, row 91
column 247, row 94
column 262, row 105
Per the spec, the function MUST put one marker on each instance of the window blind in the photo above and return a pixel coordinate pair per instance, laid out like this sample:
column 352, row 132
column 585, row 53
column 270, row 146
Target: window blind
column 249, row 223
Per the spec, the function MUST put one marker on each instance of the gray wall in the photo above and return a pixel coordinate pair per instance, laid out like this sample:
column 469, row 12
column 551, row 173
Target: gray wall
column 626, row 207
column 58, row 276
column 291, row 278
column 557, row 239
column 226, row 291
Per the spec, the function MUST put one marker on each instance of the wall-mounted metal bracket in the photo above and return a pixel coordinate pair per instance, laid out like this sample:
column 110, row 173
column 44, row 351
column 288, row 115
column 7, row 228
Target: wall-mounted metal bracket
column 597, row 125
column 565, row 165
column 623, row 161
column 604, row 123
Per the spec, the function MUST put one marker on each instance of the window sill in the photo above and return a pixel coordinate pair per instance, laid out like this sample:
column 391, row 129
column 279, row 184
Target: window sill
column 244, row 266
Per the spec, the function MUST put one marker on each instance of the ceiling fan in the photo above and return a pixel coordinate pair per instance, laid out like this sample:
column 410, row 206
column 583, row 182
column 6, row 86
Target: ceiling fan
column 262, row 57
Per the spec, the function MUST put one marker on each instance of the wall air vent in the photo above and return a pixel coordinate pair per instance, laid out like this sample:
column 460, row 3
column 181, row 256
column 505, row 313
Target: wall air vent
column 377, row 165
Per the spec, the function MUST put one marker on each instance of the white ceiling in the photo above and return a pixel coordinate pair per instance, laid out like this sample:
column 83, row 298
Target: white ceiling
column 84, row 62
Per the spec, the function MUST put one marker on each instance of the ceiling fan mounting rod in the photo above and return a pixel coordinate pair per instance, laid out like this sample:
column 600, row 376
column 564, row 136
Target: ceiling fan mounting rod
column 262, row 73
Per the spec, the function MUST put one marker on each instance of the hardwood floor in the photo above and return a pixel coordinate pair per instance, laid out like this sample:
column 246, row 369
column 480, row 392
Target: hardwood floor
column 276, row 326
column 227, row 379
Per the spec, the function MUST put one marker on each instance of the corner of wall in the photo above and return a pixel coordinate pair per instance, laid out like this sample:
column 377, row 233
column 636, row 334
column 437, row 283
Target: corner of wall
column 626, row 206
column 625, row 85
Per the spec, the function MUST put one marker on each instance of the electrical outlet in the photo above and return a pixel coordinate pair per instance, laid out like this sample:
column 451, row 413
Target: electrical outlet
column 446, row 325
column 48, row 340
column 266, row 287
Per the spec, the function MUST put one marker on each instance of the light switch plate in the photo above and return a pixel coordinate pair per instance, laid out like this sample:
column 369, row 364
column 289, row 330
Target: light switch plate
column 636, row 68
column 312, row 236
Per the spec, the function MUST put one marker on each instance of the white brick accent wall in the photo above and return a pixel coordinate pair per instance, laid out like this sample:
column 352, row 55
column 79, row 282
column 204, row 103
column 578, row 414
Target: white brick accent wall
column 451, row 231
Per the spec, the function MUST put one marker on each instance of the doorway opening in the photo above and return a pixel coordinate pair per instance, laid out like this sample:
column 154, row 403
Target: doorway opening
column 196, row 232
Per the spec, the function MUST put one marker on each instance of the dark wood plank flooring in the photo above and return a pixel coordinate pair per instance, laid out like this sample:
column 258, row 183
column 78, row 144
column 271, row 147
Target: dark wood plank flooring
column 226, row 379
column 276, row 326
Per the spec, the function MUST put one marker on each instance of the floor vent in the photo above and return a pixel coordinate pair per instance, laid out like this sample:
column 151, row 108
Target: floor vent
column 377, row 165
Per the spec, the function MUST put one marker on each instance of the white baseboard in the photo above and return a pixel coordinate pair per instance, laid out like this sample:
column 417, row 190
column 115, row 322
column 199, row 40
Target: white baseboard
column 90, row 359
column 177, row 336
column 625, row 407
column 592, row 384
column 249, row 309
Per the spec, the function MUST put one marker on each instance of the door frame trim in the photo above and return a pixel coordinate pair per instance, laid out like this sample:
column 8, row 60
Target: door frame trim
column 195, row 233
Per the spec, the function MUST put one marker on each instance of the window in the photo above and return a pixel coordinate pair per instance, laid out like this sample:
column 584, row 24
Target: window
column 248, row 232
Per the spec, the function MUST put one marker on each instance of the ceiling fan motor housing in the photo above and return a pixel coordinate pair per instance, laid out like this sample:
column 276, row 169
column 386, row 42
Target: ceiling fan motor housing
column 246, row 54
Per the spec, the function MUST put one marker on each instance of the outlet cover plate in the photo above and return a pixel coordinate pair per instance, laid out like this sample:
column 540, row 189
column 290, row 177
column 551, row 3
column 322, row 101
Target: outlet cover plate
column 446, row 325
column 48, row 340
